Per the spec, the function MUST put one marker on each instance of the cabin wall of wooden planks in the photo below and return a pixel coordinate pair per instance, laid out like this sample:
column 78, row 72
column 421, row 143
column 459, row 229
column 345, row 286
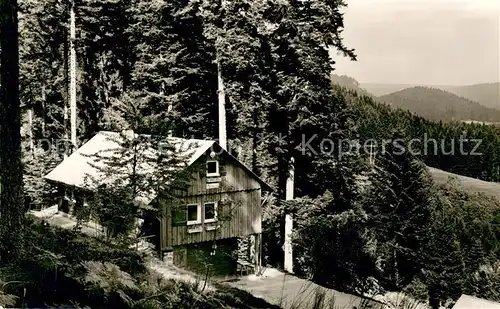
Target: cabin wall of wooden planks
column 203, row 257
column 233, row 177
column 239, row 209
column 239, row 217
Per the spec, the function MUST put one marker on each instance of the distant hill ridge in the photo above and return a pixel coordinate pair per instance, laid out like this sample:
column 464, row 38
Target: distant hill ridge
column 440, row 105
column 349, row 83
column 486, row 94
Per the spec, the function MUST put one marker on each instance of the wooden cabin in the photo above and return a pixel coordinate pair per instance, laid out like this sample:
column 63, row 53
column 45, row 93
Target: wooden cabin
column 201, row 223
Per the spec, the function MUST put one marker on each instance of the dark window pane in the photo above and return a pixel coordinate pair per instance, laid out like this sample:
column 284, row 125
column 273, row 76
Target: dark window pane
column 209, row 211
column 192, row 213
column 211, row 167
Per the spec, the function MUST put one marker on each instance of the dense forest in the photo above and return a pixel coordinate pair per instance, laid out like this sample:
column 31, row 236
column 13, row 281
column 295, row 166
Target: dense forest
column 438, row 141
column 154, row 67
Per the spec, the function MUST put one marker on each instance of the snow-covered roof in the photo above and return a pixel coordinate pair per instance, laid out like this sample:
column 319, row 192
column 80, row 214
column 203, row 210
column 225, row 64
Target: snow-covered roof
column 471, row 302
column 86, row 167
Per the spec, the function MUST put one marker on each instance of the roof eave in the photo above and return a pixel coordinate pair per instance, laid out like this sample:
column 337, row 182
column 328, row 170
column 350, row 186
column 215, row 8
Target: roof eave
column 263, row 184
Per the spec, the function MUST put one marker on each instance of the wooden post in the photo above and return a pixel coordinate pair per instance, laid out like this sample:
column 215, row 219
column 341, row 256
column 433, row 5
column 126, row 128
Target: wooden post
column 258, row 252
column 168, row 222
column 163, row 229
column 289, row 221
column 166, row 237
column 252, row 254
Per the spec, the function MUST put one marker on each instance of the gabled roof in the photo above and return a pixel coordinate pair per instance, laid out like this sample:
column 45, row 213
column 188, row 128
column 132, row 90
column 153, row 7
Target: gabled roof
column 471, row 302
column 87, row 162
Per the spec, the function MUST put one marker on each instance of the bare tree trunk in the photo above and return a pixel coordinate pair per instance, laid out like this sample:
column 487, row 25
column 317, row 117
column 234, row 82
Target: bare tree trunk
column 289, row 220
column 222, row 109
column 11, row 197
column 44, row 111
column 169, row 111
column 72, row 73
column 30, row 131
column 222, row 97
column 255, row 141
column 67, row 81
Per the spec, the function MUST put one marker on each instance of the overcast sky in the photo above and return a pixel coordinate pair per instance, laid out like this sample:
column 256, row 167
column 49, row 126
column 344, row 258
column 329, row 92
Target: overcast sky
column 429, row 42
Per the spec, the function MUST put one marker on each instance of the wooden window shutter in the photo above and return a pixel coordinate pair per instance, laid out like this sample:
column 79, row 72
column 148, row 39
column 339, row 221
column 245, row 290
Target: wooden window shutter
column 179, row 215
column 224, row 210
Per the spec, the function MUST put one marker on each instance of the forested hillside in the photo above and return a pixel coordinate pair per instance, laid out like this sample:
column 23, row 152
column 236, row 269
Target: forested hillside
column 440, row 137
column 485, row 94
column 384, row 89
column 348, row 83
column 437, row 142
column 439, row 105
column 446, row 103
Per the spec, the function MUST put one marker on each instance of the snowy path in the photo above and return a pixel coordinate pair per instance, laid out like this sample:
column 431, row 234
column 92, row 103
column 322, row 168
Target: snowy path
column 289, row 291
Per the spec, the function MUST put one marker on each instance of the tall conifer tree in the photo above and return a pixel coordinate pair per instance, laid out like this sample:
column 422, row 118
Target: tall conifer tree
column 11, row 177
column 399, row 207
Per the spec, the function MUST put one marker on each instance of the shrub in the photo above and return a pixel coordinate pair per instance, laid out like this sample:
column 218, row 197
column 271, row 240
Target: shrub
column 485, row 282
column 331, row 248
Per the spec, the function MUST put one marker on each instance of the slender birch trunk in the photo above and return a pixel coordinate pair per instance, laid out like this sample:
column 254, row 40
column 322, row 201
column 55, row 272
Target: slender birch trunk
column 72, row 74
column 289, row 219
column 222, row 108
